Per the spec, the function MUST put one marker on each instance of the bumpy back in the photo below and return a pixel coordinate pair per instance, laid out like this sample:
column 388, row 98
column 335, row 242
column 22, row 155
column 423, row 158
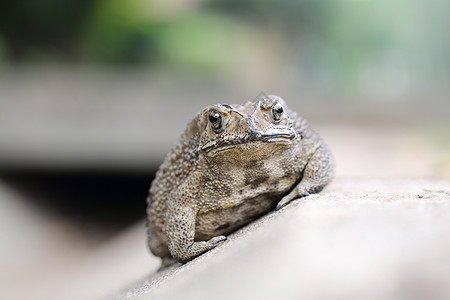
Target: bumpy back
column 176, row 167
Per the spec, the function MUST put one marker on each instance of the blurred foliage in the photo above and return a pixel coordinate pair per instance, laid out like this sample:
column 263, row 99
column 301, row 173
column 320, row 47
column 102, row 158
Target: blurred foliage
column 347, row 39
column 402, row 43
column 135, row 35
column 115, row 32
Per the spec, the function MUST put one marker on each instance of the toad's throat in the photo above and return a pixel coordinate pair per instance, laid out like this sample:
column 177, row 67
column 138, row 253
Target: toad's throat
column 219, row 144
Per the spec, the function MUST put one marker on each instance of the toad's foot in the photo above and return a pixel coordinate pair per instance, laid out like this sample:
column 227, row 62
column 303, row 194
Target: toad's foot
column 291, row 196
column 198, row 248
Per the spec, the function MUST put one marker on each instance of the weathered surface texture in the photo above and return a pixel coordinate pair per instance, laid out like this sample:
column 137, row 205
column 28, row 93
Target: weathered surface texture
column 359, row 239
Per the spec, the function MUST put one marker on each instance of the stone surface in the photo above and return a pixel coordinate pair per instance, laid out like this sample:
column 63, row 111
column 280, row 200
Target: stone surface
column 359, row 239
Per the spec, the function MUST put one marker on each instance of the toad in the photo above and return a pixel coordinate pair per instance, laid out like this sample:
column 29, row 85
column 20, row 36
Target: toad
column 232, row 164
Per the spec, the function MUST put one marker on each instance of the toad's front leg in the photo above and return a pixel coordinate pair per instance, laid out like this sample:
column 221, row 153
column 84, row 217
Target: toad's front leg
column 180, row 232
column 316, row 175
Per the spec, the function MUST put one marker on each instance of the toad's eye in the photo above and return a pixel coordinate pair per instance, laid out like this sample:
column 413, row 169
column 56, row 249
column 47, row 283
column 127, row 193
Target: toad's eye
column 277, row 111
column 215, row 118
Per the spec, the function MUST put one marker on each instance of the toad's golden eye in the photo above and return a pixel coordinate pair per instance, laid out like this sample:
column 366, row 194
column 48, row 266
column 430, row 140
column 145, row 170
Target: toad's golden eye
column 215, row 118
column 277, row 111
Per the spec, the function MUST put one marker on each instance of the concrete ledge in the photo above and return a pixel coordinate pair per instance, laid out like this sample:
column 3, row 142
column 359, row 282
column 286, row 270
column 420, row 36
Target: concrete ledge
column 359, row 239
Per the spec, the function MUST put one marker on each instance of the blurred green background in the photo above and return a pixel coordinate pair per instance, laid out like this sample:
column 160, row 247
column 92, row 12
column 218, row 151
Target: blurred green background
column 383, row 48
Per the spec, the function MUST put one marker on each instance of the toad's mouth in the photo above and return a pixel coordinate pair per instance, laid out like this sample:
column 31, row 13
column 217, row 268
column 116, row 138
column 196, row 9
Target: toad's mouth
column 219, row 145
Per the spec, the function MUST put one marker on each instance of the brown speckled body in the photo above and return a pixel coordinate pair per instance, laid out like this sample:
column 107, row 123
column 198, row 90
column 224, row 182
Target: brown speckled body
column 232, row 164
